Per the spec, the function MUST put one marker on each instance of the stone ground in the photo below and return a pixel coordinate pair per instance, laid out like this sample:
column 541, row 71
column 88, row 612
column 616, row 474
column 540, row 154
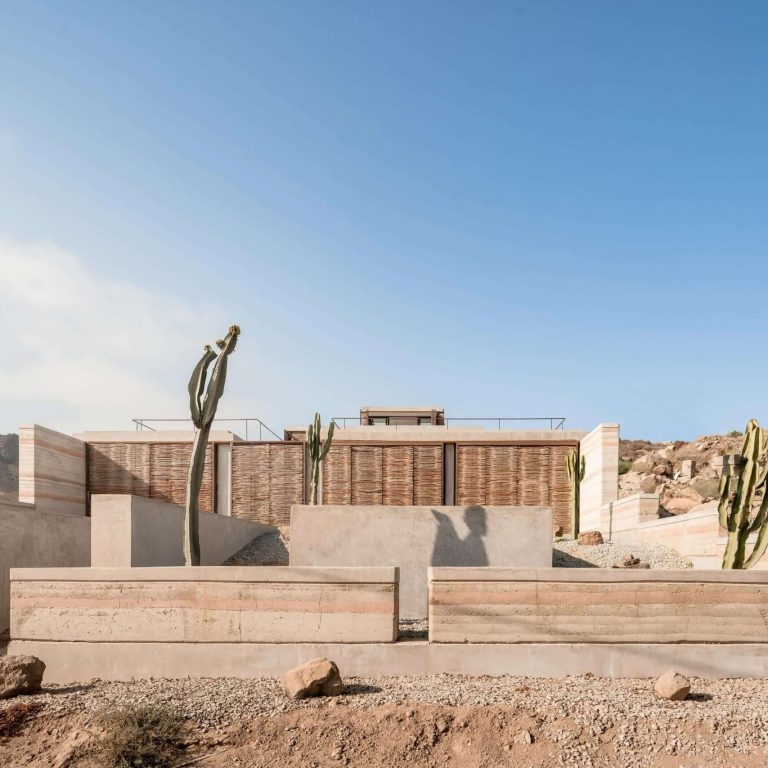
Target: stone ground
column 418, row 721
column 568, row 554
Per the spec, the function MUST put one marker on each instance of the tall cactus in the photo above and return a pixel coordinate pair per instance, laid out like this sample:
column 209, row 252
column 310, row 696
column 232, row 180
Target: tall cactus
column 202, row 410
column 736, row 510
column 574, row 470
column 317, row 452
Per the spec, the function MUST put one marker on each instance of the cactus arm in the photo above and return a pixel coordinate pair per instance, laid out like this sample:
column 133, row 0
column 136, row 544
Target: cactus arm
column 197, row 384
column 328, row 441
column 219, row 376
column 760, row 545
column 725, row 494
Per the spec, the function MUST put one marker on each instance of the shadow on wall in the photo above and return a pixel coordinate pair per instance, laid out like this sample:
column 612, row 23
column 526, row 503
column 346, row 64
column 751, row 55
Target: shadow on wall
column 451, row 550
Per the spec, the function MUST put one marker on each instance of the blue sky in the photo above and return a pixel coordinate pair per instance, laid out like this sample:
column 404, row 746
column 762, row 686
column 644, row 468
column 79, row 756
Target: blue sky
column 531, row 208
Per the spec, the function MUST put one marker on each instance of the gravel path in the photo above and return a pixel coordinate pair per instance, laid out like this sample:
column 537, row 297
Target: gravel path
column 568, row 554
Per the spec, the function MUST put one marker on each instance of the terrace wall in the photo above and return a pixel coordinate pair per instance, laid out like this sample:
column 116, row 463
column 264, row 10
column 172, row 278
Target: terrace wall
column 135, row 531
column 204, row 605
column 30, row 538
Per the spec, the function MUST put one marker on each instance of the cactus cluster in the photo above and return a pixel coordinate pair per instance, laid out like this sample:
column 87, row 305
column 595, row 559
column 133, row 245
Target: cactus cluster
column 204, row 396
column 317, row 452
column 574, row 470
column 737, row 506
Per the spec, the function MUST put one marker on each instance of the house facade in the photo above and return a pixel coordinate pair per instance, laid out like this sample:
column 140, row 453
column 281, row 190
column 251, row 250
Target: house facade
column 389, row 456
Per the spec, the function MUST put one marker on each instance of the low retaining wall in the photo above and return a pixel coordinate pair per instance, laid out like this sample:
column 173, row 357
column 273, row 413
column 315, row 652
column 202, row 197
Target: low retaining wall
column 415, row 538
column 204, row 605
column 515, row 605
column 71, row 662
column 32, row 538
column 136, row 531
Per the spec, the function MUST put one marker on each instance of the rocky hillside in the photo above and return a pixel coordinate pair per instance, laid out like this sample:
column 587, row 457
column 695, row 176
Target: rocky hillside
column 9, row 466
column 657, row 468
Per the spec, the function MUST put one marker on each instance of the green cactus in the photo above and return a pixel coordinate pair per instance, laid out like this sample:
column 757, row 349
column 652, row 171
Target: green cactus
column 574, row 471
column 203, row 411
column 736, row 509
column 317, row 452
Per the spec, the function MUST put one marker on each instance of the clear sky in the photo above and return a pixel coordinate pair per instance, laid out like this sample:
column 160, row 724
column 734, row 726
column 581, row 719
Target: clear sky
column 512, row 208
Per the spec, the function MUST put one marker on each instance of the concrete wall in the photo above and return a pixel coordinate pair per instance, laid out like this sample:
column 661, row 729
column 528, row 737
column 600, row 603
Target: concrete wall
column 204, row 605
column 136, row 531
column 30, row 538
column 600, row 485
column 71, row 662
column 415, row 538
column 694, row 535
column 561, row 605
column 51, row 471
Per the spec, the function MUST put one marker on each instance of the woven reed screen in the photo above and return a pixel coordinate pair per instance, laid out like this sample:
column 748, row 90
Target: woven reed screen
column 399, row 475
column 154, row 470
column 524, row 475
column 267, row 479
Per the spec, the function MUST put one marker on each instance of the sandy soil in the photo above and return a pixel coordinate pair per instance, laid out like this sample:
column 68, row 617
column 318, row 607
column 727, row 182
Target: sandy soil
column 429, row 721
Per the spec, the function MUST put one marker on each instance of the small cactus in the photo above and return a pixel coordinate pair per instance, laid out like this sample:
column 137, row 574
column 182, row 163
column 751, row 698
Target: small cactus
column 317, row 452
column 202, row 409
column 574, row 470
column 737, row 513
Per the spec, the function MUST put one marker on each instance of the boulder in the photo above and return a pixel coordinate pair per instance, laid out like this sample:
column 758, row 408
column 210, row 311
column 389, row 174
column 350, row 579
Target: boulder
column 319, row 677
column 644, row 464
column 672, row 686
column 649, row 484
column 20, row 674
column 590, row 538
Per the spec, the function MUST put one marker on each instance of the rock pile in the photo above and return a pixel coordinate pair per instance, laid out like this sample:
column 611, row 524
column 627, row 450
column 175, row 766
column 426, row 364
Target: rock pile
column 681, row 473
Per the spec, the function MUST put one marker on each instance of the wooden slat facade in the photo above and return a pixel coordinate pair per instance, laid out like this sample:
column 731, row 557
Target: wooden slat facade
column 516, row 475
column 153, row 470
column 267, row 478
column 398, row 475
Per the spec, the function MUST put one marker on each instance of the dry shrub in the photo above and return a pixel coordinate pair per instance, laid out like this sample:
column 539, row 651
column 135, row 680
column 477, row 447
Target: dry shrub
column 147, row 736
column 14, row 716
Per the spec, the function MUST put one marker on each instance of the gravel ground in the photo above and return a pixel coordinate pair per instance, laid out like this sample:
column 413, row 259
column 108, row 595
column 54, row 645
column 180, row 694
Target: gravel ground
column 568, row 554
column 583, row 716
column 268, row 549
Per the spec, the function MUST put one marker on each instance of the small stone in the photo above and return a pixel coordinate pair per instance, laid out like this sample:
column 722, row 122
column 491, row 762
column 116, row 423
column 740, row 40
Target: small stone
column 524, row 737
column 672, row 686
column 20, row 674
column 630, row 561
column 319, row 677
column 441, row 725
column 590, row 538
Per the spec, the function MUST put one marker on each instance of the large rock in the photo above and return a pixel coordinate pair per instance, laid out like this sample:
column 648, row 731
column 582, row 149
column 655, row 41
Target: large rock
column 20, row 674
column 650, row 484
column 590, row 538
column 319, row 677
column 673, row 686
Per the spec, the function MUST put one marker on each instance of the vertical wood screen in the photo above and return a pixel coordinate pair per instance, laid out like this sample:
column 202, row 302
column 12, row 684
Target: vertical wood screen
column 154, row 470
column 524, row 475
column 267, row 479
column 399, row 475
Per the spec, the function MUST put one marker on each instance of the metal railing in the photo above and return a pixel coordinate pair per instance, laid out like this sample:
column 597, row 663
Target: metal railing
column 499, row 422
column 145, row 424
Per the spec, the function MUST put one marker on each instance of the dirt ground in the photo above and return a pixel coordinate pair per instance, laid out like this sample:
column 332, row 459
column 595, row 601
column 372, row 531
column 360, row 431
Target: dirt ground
column 425, row 722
